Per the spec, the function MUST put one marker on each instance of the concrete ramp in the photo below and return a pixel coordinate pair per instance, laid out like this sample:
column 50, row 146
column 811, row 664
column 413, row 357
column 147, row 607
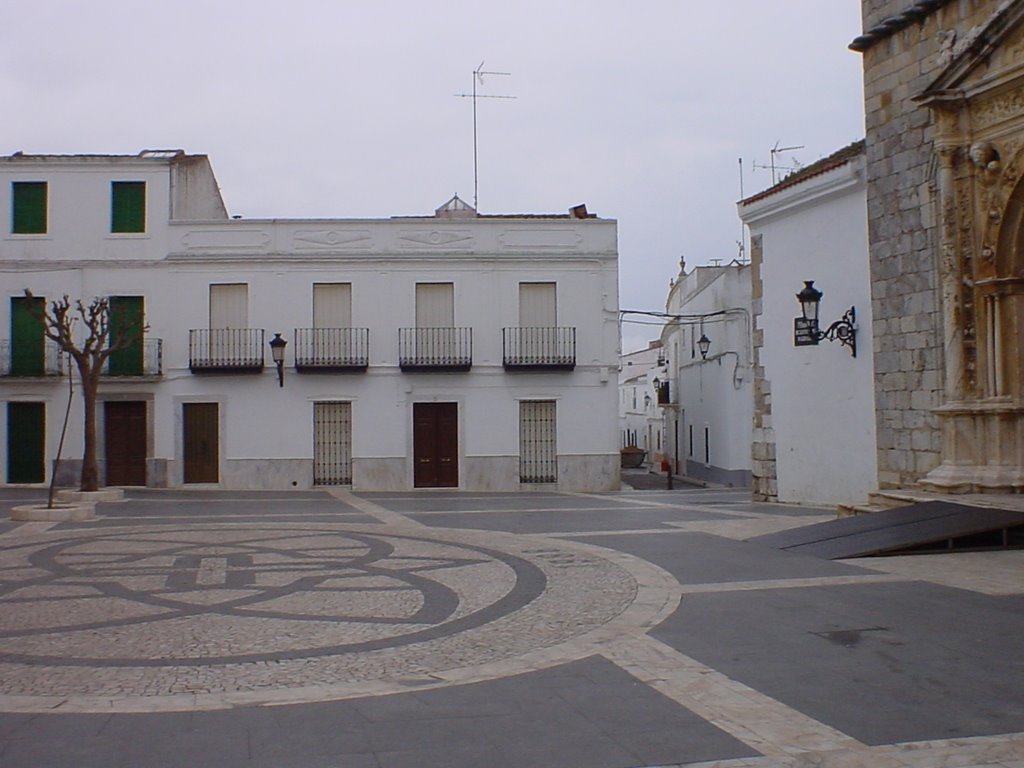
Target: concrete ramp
column 930, row 525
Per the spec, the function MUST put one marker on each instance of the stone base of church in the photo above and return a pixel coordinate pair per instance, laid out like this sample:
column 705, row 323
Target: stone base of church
column 982, row 448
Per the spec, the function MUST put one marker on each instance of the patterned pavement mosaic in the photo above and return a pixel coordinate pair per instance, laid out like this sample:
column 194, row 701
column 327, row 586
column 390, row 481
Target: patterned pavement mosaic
column 623, row 630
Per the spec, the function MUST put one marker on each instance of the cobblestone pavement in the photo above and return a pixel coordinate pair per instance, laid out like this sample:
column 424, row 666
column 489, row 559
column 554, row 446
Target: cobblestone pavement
column 449, row 629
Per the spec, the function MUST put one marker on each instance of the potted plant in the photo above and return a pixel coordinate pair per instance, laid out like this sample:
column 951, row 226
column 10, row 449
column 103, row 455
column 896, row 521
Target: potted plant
column 632, row 457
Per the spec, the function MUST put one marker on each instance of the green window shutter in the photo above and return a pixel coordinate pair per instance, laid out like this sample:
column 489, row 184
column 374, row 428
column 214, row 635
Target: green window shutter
column 27, row 336
column 26, row 442
column 126, row 315
column 28, row 207
column 128, row 206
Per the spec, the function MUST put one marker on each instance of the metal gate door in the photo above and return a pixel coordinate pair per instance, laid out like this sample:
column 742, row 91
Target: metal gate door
column 332, row 443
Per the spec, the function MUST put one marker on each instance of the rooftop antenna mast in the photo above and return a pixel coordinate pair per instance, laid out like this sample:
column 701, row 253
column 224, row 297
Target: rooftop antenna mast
column 478, row 74
column 777, row 150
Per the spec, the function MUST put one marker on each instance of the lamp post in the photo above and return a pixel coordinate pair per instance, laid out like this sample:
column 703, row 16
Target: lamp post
column 277, row 345
column 805, row 328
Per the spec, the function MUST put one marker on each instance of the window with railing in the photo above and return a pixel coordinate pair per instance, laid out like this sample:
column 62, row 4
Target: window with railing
column 539, row 348
column 143, row 357
column 439, row 349
column 332, row 349
column 225, row 349
column 42, row 359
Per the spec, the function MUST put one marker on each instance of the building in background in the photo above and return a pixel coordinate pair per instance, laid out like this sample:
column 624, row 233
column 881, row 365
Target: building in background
column 943, row 88
column 452, row 350
column 814, row 416
column 707, row 399
column 639, row 416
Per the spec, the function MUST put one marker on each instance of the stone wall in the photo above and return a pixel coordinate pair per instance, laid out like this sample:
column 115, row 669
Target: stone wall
column 764, row 483
column 902, row 232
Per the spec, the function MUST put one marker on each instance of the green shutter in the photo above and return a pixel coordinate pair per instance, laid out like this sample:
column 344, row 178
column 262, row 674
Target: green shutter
column 28, row 207
column 27, row 338
column 128, row 206
column 26, row 442
column 126, row 313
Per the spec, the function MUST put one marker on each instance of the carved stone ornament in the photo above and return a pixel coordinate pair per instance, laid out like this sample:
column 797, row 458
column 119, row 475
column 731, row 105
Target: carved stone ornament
column 437, row 238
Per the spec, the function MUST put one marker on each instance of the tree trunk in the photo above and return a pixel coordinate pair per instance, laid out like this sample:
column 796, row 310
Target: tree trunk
column 90, row 480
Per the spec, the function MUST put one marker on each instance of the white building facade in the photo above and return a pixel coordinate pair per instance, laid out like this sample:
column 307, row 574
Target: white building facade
column 453, row 350
column 814, row 428
column 707, row 404
column 640, row 421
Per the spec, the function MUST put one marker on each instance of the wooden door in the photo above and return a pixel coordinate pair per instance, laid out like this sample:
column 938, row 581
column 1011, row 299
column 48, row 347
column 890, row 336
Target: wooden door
column 436, row 445
column 124, row 433
column 26, row 442
column 201, row 430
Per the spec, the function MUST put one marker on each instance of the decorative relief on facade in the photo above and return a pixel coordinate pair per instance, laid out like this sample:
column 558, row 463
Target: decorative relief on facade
column 331, row 238
column 440, row 238
column 540, row 238
column 997, row 108
column 223, row 239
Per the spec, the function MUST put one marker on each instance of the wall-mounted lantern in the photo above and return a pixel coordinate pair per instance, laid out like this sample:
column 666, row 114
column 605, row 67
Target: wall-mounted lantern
column 277, row 345
column 703, row 344
column 805, row 328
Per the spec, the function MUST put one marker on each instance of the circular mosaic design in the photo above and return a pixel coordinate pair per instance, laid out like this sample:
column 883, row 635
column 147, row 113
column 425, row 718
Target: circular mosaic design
column 213, row 609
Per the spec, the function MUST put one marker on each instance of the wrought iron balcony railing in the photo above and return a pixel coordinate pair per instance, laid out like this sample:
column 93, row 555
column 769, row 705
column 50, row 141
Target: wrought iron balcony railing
column 225, row 350
column 33, row 359
column 144, row 358
column 435, row 349
column 552, row 349
column 332, row 349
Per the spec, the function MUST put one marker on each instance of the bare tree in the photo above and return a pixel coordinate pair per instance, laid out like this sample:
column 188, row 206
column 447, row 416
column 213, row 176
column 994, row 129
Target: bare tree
column 98, row 342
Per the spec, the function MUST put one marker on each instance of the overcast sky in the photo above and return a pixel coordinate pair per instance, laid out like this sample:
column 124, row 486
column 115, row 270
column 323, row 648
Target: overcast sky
column 314, row 108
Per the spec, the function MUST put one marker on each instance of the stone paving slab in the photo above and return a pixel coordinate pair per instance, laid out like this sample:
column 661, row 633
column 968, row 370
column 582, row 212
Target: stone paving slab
column 699, row 558
column 587, row 713
column 666, row 640
column 884, row 663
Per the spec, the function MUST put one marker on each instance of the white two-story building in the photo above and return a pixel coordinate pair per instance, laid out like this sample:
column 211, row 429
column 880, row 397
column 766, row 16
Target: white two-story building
column 452, row 350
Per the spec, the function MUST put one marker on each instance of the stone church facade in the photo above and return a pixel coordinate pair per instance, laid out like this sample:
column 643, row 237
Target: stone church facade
column 944, row 104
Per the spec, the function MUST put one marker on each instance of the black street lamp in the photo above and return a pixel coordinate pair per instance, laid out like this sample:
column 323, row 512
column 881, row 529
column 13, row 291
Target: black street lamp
column 805, row 328
column 703, row 344
column 277, row 345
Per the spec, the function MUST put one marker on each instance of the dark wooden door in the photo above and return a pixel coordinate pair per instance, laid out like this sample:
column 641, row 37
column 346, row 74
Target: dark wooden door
column 26, row 442
column 201, row 428
column 436, row 445
column 124, row 432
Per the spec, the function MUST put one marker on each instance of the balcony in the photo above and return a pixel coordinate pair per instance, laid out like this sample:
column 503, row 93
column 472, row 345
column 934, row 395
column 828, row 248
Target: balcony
column 435, row 349
column 225, row 350
column 664, row 393
column 539, row 349
column 143, row 358
column 332, row 350
column 30, row 360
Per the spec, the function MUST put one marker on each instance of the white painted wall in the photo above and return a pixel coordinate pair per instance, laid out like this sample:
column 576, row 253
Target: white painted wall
column 714, row 396
column 822, row 398
column 173, row 264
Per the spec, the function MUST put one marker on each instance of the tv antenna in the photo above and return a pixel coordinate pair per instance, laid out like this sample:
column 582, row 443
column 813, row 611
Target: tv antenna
column 478, row 74
column 777, row 150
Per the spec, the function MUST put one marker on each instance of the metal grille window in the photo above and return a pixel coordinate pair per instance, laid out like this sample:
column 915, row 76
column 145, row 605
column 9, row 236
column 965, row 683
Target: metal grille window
column 332, row 443
column 538, row 456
